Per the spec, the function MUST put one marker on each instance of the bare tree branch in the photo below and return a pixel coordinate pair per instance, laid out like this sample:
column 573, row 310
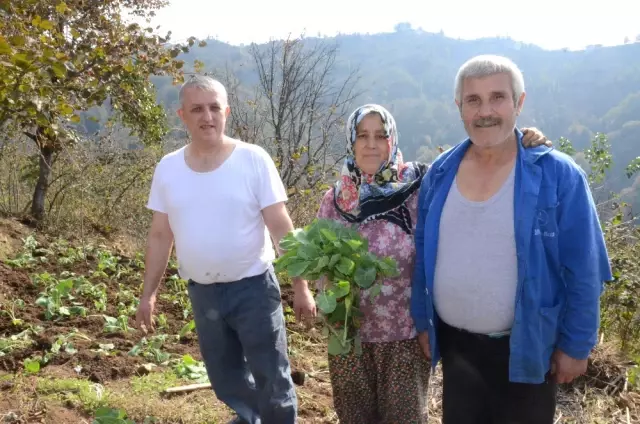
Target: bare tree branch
column 296, row 110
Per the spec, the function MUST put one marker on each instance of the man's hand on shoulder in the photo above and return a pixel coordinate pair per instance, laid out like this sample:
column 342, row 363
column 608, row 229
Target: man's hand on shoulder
column 565, row 368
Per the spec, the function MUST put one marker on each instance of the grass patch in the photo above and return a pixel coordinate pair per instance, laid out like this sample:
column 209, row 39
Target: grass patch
column 74, row 393
column 154, row 383
column 142, row 397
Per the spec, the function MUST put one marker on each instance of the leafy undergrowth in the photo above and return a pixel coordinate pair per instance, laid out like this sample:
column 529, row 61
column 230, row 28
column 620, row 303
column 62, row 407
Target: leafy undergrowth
column 69, row 352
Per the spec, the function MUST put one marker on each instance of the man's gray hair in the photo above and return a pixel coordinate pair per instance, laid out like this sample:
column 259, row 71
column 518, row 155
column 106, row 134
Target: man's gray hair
column 206, row 83
column 485, row 65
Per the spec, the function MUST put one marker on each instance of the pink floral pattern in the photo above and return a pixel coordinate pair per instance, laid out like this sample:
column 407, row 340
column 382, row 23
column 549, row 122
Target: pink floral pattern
column 387, row 317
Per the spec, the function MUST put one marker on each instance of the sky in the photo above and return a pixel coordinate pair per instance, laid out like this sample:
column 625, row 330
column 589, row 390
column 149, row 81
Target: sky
column 550, row 24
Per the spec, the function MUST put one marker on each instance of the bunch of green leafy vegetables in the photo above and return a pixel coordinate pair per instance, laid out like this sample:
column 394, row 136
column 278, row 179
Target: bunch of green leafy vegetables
column 339, row 257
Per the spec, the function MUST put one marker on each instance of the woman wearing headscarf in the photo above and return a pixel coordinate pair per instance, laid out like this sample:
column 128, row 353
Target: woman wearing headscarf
column 377, row 194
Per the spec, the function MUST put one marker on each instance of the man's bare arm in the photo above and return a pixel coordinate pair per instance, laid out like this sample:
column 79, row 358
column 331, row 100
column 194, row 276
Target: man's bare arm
column 159, row 243
column 278, row 221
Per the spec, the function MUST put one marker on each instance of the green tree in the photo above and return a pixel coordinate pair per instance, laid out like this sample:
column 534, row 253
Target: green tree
column 620, row 305
column 58, row 58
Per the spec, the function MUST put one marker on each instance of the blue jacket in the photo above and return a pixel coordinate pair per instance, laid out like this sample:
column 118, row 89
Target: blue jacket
column 562, row 258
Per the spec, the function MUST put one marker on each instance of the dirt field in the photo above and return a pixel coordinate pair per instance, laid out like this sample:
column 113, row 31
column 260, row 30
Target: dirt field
column 68, row 352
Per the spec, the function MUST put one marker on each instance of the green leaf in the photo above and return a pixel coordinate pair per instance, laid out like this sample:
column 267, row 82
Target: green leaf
column 75, row 119
column 375, row 291
column 61, row 8
column 354, row 244
column 281, row 264
column 65, row 109
column 31, row 365
column 357, row 345
column 364, row 277
column 338, row 314
column 341, row 289
column 388, row 267
column 5, row 48
column 59, row 69
column 18, row 40
column 322, row 263
column 335, row 346
column 300, row 236
column 326, row 301
column 328, row 234
column 46, row 25
column 308, row 251
column 288, row 244
column 21, row 60
column 345, row 266
column 78, row 310
column 296, row 269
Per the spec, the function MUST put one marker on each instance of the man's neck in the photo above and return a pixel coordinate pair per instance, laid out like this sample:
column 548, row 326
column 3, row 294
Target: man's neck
column 494, row 155
column 206, row 149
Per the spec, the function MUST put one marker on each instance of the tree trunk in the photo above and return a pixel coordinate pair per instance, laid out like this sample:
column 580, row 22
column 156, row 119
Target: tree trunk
column 40, row 192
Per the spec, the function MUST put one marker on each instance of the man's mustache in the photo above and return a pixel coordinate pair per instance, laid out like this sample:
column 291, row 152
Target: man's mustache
column 487, row 122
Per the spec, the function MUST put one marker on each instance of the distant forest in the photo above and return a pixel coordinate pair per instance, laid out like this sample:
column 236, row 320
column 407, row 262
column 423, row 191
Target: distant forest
column 572, row 94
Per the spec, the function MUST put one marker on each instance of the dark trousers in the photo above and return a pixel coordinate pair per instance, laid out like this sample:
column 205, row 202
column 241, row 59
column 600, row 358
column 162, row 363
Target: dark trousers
column 476, row 387
column 243, row 342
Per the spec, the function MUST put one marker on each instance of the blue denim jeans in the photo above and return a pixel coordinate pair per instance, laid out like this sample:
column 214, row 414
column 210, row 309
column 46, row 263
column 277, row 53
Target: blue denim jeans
column 243, row 342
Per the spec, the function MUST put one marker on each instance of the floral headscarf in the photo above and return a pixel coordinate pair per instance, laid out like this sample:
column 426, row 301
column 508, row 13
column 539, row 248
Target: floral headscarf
column 360, row 197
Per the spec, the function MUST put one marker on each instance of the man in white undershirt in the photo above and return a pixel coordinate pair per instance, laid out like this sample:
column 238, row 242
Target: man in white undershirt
column 221, row 200
column 510, row 261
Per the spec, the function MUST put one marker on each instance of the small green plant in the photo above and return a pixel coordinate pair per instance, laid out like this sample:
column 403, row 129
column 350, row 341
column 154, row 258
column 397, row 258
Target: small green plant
column 11, row 308
column 151, row 349
column 189, row 368
column 21, row 340
column 337, row 254
column 53, row 301
column 61, row 344
column 107, row 415
column 31, row 254
column 116, row 325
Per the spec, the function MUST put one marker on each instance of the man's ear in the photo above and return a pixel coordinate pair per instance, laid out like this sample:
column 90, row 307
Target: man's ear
column 520, row 103
column 227, row 111
column 180, row 113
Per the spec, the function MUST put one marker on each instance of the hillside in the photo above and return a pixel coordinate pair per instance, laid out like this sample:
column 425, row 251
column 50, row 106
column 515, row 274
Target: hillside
column 571, row 94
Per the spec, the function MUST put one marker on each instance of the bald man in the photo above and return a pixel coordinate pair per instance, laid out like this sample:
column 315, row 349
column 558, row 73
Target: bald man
column 219, row 199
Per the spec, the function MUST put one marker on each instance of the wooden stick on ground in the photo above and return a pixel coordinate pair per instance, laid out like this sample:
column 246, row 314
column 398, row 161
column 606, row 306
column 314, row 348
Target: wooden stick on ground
column 188, row 388
column 297, row 376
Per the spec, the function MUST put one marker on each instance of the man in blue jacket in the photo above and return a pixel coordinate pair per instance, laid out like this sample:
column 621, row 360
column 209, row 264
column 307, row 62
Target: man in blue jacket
column 510, row 261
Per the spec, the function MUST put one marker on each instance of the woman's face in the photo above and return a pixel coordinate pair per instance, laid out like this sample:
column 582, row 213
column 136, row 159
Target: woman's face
column 371, row 148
